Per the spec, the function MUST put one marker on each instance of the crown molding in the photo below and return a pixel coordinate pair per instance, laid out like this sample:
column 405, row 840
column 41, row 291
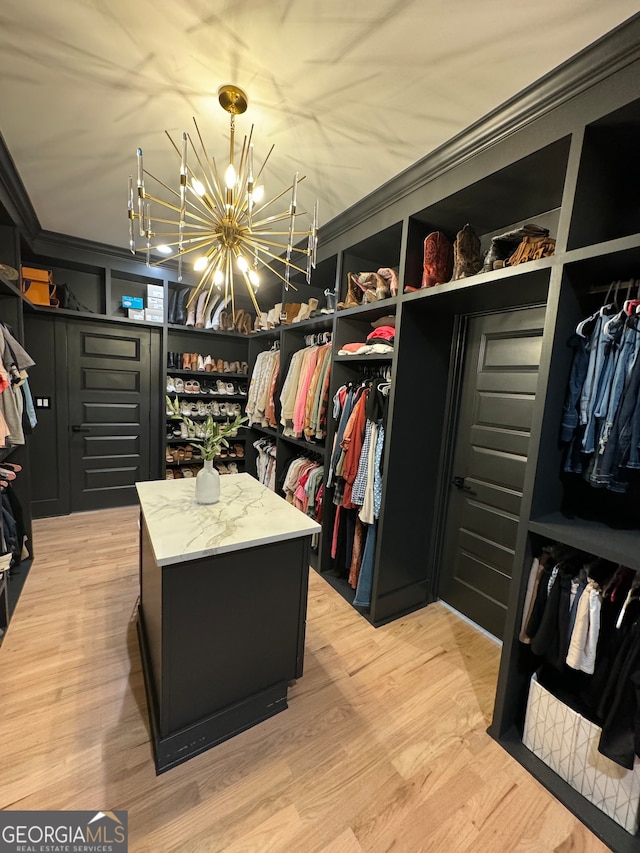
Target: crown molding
column 14, row 196
column 601, row 59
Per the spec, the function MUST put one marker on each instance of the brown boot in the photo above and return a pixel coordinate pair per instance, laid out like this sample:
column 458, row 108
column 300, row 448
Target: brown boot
column 438, row 259
column 467, row 258
column 186, row 361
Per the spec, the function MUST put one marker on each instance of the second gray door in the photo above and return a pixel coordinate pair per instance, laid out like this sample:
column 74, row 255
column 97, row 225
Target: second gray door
column 500, row 376
column 109, row 413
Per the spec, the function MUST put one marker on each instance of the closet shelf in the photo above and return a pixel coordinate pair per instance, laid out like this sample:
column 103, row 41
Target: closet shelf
column 597, row 821
column 300, row 442
column 481, row 279
column 196, row 374
column 272, row 433
column 174, row 327
column 236, row 398
column 597, row 250
column 197, row 460
column 189, row 440
column 88, row 315
column 358, row 359
column 619, row 546
column 203, row 418
column 372, row 310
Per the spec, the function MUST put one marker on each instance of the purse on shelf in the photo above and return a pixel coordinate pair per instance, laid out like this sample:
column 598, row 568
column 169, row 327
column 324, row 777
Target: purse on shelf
column 38, row 287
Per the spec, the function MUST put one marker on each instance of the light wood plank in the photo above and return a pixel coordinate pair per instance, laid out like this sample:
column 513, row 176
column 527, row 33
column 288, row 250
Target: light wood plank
column 383, row 747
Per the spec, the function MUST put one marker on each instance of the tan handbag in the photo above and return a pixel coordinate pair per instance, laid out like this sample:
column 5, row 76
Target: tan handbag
column 38, row 287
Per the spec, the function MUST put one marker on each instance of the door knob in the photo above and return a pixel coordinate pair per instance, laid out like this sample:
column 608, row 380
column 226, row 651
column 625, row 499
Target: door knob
column 459, row 483
column 80, row 428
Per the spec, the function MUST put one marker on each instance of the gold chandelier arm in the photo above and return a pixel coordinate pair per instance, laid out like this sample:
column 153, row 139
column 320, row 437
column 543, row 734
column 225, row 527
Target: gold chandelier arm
column 162, row 184
column 216, row 183
column 176, row 209
column 281, row 277
column 276, row 197
column 271, row 254
column 265, row 222
column 275, row 243
column 264, row 163
column 251, row 292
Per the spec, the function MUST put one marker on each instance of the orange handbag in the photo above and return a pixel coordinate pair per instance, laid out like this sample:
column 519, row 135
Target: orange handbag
column 38, row 287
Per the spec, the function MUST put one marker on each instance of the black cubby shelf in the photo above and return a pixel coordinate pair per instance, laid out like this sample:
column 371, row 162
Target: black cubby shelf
column 272, row 433
column 236, row 398
column 374, row 357
column 237, row 336
column 619, row 546
column 371, row 310
column 204, row 374
column 176, row 440
column 300, row 442
column 480, row 279
column 606, row 829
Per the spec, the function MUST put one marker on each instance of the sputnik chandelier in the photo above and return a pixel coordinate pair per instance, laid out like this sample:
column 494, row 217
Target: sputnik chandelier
column 221, row 221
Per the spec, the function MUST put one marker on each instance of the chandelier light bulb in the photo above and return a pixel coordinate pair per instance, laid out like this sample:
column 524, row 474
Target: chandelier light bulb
column 164, row 250
column 242, row 264
column 200, row 264
column 230, row 177
column 254, row 278
column 258, row 194
column 218, row 277
column 198, row 187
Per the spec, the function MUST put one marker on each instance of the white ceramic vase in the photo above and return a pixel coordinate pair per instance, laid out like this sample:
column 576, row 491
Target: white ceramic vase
column 207, row 484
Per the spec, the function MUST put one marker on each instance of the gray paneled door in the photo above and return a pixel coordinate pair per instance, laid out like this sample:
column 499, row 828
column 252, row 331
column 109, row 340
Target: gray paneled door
column 500, row 376
column 109, row 414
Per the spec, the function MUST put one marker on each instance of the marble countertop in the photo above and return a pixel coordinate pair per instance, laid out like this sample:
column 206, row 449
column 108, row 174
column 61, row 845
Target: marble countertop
column 247, row 514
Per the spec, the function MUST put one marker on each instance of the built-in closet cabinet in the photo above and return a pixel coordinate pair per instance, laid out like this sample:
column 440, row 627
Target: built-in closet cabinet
column 563, row 156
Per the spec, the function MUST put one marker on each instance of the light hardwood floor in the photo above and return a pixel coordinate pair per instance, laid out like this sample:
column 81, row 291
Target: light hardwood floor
column 383, row 747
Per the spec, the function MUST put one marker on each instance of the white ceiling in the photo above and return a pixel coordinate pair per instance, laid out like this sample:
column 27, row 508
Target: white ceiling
column 351, row 93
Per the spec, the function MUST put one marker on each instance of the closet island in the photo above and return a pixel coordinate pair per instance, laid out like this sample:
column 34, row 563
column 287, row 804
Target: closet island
column 221, row 618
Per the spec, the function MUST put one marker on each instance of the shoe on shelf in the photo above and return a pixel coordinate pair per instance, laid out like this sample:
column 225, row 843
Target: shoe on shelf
column 215, row 408
column 242, row 389
column 177, row 474
column 230, row 388
column 210, row 310
column 302, row 312
column 222, row 468
column 186, row 361
column 200, row 309
column 170, row 386
column 207, row 363
column 221, row 386
column 200, row 364
column 178, row 385
column 181, row 311
column 220, row 366
column 168, row 474
column 191, row 310
column 168, row 455
column 232, row 468
column 194, row 361
column 244, row 367
column 239, row 449
column 187, row 473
